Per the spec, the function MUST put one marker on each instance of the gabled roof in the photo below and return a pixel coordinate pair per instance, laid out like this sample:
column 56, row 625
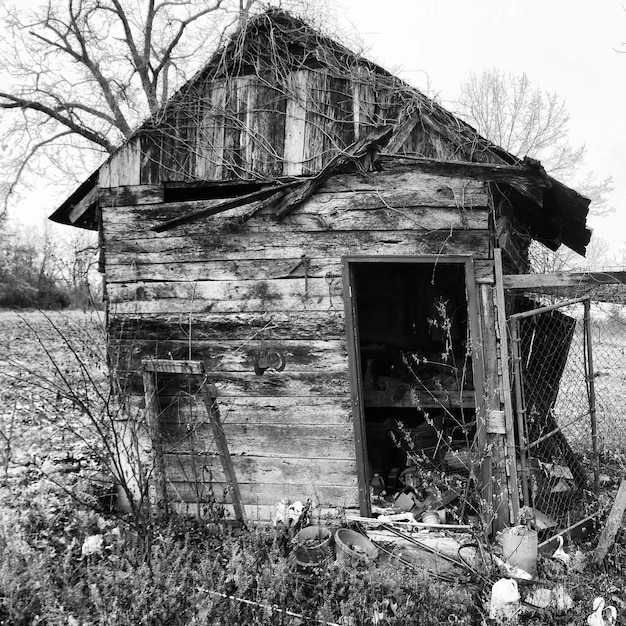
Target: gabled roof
column 273, row 47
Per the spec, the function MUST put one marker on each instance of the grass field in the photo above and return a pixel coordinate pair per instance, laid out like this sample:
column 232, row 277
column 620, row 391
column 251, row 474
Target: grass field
column 185, row 571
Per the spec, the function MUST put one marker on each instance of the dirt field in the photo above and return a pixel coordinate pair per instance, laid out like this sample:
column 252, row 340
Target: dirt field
column 40, row 355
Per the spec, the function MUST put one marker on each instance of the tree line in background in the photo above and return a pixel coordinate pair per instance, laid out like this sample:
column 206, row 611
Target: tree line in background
column 47, row 268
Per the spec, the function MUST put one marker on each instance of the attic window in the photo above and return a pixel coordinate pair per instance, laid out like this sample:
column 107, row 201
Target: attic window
column 180, row 192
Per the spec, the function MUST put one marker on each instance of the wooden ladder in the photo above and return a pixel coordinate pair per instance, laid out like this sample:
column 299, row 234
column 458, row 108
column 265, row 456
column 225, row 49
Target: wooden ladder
column 152, row 367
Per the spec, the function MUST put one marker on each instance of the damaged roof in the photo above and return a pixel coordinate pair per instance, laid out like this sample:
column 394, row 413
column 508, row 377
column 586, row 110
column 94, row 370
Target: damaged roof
column 272, row 52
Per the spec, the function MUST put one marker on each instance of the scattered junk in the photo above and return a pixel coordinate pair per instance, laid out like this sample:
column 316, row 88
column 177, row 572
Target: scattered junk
column 602, row 615
column 96, row 545
column 519, row 548
column 352, row 546
column 288, row 513
column 560, row 553
column 556, row 599
column 385, row 611
column 511, row 571
column 505, row 600
column 313, row 545
column 92, row 545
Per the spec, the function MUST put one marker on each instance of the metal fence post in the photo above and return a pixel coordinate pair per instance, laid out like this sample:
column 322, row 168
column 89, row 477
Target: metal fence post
column 591, row 391
column 520, row 410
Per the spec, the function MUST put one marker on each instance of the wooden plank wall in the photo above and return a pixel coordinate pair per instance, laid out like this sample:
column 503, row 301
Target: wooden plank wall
column 244, row 128
column 229, row 293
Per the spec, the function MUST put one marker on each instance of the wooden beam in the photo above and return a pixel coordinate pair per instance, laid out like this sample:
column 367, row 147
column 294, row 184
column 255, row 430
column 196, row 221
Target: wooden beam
column 212, row 407
column 613, row 524
column 167, row 366
column 496, row 173
column 507, row 399
column 407, row 121
column 84, row 204
column 562, row 280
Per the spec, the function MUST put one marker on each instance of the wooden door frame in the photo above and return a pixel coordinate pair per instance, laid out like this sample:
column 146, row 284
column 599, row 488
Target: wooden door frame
column 354, row 354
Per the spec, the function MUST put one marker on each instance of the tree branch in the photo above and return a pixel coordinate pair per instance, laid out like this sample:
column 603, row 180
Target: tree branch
column 167, row 54
column 24, row 163
column 15, row 102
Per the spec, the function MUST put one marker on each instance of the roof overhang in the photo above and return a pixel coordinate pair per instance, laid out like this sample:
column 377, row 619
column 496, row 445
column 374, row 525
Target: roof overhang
column 80, row 208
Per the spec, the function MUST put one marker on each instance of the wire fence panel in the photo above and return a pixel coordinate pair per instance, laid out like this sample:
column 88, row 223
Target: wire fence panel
column 568, row 362
column 551, row 372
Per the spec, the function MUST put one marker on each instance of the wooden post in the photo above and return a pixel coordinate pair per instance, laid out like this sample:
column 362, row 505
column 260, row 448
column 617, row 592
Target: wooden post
column 152, row 411
column 495, row 491
column 613, row 524
column 520, row 408
column 506, row 383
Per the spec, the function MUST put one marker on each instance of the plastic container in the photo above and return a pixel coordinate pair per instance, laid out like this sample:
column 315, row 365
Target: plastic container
column 313, row 545
column 519, row 548
column 431, row 517
column 352, row 546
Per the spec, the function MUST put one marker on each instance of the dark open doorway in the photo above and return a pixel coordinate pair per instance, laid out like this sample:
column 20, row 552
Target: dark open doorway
column 412, row 370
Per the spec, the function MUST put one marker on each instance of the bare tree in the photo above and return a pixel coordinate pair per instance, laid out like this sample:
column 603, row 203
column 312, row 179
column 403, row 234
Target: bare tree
column 527, row 121
column 78, row 76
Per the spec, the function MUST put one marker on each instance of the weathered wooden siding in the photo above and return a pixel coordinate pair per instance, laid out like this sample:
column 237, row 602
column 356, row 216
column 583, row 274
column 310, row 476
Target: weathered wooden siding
column 245, row 129
column 224, row 292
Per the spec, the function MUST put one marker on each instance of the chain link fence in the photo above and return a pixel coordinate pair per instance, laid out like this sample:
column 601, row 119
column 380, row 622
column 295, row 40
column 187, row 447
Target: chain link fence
column 570, row 390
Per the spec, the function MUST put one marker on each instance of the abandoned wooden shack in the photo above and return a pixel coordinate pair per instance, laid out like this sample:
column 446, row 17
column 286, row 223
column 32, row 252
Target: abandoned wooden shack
column 310, row 251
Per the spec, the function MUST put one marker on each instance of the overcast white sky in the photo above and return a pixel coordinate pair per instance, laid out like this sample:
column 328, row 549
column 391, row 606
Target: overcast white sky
column 565, row 46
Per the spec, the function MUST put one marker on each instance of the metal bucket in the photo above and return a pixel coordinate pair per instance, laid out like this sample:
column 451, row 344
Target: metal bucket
column 519, row 548
column 313, row 545
column 352, row 546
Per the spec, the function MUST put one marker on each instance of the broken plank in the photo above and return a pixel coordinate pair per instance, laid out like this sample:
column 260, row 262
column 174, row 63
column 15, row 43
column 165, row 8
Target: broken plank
column 267, row 194
column 612, row 525
column 354, row 152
